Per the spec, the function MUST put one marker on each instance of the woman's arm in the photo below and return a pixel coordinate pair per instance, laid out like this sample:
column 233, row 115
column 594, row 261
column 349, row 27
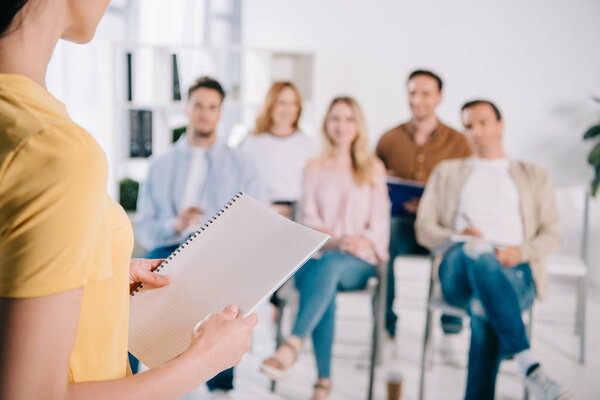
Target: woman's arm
column 35, row 344
column 375, row 239
column 310, row 212
column 38, row 336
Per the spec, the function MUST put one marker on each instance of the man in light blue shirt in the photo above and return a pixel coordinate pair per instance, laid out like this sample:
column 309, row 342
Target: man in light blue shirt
column 191, row 182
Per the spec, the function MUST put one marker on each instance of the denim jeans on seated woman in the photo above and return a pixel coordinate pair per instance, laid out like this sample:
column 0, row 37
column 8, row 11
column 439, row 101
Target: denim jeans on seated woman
column 318, row 281
column 495, row 297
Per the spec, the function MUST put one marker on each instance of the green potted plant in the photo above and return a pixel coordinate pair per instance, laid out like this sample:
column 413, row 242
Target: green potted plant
column 593, row 133
column 128, row 193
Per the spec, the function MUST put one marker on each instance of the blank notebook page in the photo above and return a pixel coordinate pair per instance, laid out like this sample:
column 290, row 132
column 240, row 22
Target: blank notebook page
column 241, row 255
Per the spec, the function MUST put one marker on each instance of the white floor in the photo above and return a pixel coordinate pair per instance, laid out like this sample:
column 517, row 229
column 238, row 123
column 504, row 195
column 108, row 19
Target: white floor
column 553, row 340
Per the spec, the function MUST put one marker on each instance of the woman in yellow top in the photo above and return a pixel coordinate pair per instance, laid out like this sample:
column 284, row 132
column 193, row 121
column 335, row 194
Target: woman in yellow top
column 65, row 246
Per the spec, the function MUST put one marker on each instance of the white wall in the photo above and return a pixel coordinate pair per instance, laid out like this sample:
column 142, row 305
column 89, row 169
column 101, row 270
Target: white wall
column 82, row 78
column 538, row 60
column 85, row 77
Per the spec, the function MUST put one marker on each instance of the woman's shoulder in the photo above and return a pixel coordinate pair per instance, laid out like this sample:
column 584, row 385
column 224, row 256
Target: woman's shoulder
column 258, row 142
column 73, row 144
column 378, row 167
column 56, row 154
column 378, row 172
column 316, row 164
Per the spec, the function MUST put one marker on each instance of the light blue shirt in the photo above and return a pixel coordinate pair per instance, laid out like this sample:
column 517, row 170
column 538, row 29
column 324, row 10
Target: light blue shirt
column 161, row 195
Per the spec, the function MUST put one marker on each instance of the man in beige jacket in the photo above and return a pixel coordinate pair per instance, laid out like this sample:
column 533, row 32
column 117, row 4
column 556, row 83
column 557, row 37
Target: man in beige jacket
column 502, row 215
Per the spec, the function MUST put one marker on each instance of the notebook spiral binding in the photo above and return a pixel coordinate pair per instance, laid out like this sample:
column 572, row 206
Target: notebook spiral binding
column 193, row 236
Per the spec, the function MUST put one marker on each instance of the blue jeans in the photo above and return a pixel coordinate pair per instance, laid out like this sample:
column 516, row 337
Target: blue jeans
column 318, row 281
column 494, row 297
column 402, row 242
column 160, row 252
column 223, row 380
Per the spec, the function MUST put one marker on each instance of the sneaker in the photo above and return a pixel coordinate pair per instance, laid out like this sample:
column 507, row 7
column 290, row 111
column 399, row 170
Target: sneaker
column 220, row 395
column 543, row 387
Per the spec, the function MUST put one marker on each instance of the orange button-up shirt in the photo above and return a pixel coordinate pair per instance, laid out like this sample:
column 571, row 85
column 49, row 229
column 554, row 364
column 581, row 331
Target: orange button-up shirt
column 401, row 155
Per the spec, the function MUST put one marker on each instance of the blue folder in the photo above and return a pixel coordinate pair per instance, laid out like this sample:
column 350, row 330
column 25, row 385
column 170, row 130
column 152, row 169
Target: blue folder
column 401, row 191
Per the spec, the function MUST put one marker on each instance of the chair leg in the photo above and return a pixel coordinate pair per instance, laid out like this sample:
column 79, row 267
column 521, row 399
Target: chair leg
column 429, row 355
column 375, row 353
column 278, row 335
column 578, row 316
column 426, row 340
column 380, row 312
column 528, row 332
column 581, row 316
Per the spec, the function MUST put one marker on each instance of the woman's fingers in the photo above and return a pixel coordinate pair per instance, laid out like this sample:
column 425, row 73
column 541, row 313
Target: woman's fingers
column 153, row 280
column 231, row 311
column 252, row 320
column 155, row 263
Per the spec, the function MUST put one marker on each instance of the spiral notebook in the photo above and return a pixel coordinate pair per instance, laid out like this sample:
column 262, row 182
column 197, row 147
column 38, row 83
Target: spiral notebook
column 241, row 255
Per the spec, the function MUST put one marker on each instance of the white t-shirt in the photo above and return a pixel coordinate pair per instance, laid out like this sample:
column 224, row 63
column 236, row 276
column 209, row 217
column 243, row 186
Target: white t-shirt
column 280, row 162
column 489, row 201
column 195, row 177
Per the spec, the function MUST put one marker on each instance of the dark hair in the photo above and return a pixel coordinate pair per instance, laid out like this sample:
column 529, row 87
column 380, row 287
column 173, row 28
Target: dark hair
column 477, row 102
column 9, row 10
column 208, row 83
column 424, row 72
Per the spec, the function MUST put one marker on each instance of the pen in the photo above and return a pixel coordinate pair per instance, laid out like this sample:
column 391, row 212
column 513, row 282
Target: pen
column 469, row 220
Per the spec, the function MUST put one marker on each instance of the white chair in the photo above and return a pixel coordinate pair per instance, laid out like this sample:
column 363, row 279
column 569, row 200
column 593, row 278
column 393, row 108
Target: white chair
column 437, row 304
column 572, row 262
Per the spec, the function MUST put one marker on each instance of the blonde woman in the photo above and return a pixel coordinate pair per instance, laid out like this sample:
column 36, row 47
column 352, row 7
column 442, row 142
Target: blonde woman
column 278, row 147
column 344, row 195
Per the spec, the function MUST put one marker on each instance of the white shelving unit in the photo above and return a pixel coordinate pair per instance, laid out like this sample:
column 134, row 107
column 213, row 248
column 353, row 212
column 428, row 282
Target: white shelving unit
column 245, row 73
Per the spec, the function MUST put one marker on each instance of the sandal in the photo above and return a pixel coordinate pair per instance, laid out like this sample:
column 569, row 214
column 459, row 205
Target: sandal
column 278, row 371
column 326, row 388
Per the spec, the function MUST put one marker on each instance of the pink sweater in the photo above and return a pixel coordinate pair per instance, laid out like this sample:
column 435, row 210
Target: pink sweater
column 335, row 202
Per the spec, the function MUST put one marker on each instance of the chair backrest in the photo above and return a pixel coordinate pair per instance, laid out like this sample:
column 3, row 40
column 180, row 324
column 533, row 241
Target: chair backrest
column 572, row 203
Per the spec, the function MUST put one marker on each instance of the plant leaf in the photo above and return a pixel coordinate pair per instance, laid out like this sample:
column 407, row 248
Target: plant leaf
column 592, row 132
column 596, row 180
column 594, row 156
column 177, row 132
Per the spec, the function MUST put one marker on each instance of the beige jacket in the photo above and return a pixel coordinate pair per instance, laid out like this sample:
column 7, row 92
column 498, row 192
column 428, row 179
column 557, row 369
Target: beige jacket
column 439, row 204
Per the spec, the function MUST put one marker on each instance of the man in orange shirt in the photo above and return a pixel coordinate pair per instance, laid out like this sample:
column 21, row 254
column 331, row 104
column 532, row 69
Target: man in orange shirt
column 411, row 151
